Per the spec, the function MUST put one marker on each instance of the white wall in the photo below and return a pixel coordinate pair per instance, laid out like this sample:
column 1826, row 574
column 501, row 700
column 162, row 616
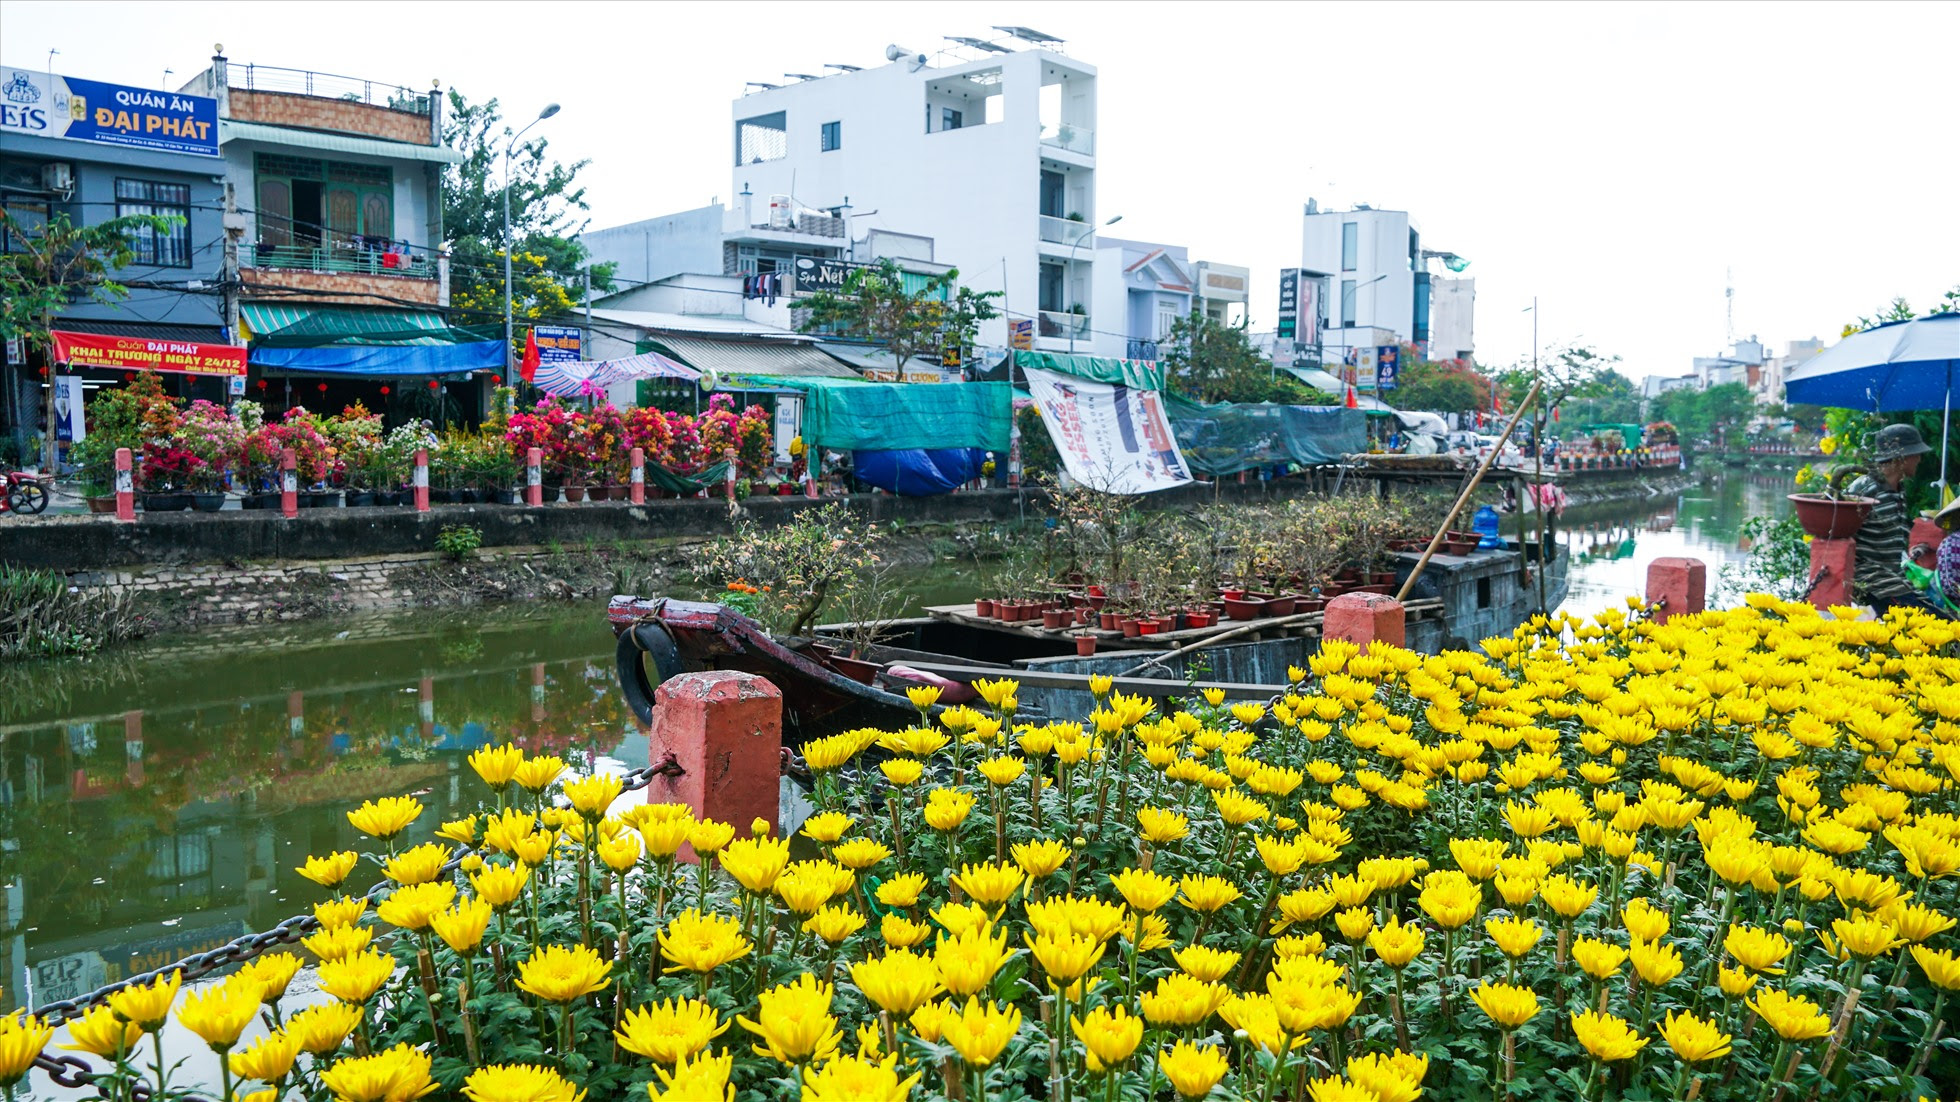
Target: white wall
column 1381, row 246
column 655, row 248
column 975, row 191
column 1452, row 318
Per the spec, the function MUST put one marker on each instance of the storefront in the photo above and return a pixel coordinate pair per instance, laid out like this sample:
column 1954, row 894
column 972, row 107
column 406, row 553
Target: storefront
column 406, row 364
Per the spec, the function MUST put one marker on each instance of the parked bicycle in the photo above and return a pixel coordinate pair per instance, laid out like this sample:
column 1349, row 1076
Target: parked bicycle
column 25, row 494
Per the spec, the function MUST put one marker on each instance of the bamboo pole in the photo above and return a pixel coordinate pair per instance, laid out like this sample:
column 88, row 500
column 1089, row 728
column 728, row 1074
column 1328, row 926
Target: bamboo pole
column 1462, row 498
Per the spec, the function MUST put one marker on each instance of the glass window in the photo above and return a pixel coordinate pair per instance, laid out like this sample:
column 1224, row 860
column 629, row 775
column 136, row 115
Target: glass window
column 833, row 136
column 24, row 219
column 1350, row 244
column 169, row 248
column 1347, row 301
column 949, row 119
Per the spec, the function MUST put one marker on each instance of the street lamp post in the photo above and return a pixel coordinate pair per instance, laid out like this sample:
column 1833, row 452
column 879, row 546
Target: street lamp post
column 1076, row 244
column 550, row 110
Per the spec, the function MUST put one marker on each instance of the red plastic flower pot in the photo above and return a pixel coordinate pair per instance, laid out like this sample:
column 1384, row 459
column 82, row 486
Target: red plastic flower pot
column 1054, row 619
column 1147, row 627
column 1085, row 645
column 983, row 608
column 1241, row 608
column 1826, row 518
column 1131, row 628
column 1108, row 621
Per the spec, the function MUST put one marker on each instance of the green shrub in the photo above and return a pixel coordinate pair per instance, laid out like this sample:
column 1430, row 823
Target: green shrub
column 458, row 541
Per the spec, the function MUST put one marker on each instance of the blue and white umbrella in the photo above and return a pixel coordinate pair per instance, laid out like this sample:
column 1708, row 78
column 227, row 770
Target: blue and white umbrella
column 1897, row 366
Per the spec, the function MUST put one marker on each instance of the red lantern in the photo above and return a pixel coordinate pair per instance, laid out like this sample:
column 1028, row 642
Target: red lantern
column 129, row 376
column 434, row 385
column 496, row 380
column 261, row 384
column 323, row 388
column 384, row 390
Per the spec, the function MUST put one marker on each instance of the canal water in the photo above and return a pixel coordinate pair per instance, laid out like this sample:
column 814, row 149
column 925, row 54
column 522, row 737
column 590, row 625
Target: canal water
column 154, row 802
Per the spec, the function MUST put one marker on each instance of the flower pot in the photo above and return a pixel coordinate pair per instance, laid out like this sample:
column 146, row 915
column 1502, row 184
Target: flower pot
column 1167, row 623
column 1148, row 626
column 601, row 492
column 1382, row 577
column 576, row 494
column 1198, row 619
column 166, row 502
column 1081, row 616
column 983, row 608
column 320, row 499
column 208, row 503
column 102, row 504
column 260, row 501
column 1085, row 645
column 1054, row 619
column 503, row 497
column 1096, row 600
column 1827, row 519
column 443, row 495
column 1242, row 608
column 358, row 498
column 1108, row 621
column 1309, row 604
column 1281, row 606
column 1097, row 591
column 1386, row 589
column 1232, row 594
column 862, row 672
column 1130, row 627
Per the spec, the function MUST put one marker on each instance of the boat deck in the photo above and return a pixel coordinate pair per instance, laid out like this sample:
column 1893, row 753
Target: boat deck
column 1300, row 625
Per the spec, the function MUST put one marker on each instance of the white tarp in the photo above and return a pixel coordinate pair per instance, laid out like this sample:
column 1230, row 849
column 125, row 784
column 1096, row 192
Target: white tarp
column 586, row 376
column 1112, row 438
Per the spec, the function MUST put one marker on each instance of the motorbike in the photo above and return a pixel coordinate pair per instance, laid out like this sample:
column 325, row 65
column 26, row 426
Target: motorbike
column 25, row 494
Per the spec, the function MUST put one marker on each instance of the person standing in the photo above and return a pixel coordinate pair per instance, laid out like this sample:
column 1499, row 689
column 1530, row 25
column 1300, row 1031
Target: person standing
column 1878, row 573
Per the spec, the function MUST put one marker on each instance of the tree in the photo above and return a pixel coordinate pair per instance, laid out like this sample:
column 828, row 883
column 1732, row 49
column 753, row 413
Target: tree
column 1575, row 371
column 546, row 201
column 1445, row 386
column 1706, row 414
column 874, row 306
column 59, row 263
column 1214, row 362
column 1901, row 310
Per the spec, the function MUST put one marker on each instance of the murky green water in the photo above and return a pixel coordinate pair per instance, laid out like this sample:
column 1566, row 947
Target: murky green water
column 154, row 802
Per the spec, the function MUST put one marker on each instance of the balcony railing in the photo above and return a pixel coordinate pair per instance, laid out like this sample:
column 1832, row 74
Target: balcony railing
column 1140, row 350
column 1075, row 139
column 1065, row 231
column 271, row 78
column 1058, row 323
column 339, row 258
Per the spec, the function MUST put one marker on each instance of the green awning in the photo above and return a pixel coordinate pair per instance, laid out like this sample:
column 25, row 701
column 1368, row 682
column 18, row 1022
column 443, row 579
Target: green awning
column 1140, row 374
column 271, row 325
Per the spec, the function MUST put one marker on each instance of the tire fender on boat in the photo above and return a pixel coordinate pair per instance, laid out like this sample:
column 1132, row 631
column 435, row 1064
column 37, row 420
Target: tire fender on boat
column 653, row 641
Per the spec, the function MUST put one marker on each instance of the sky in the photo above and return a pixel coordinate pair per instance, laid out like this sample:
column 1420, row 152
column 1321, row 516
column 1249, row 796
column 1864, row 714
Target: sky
column 1624, row 163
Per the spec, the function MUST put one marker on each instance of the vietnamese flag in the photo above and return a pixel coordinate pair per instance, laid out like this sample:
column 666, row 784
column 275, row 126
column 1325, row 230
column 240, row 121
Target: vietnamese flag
column 529, row 368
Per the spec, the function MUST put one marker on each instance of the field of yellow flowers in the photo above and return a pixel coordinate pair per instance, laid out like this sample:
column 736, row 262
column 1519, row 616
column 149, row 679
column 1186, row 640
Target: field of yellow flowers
column 1709, row 859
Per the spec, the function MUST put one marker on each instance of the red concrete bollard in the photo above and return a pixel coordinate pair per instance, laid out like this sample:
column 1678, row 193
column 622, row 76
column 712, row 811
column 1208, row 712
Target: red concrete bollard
column 1832, row 559
column 288, row 484
column 1926, row 535
column 425, row 706
column 421, row 480
column 534, row 476
column 125, row 487
column 636, row 490
column 725, row 731
column 1676, row 587
column 1364, row 618
column 728, row 480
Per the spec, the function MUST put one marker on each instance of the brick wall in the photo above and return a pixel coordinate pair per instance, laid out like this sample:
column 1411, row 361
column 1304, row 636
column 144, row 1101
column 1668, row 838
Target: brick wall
column 328, row 285
column 321, row 113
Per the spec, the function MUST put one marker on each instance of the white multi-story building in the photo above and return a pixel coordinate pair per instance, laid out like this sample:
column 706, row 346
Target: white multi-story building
column 1776, row 369
column 1374, row 277
column 1222, row 291
column 993, row 157
column 1140, row 290
column 1452, row 318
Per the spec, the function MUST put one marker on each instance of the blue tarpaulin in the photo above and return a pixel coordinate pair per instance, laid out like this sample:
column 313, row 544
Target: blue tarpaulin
column 919, row 472
column 384, row 360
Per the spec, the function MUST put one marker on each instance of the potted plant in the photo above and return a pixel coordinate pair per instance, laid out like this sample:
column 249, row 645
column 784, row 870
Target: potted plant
column 1085, row 644
column 1833, row 514
column 165, row 477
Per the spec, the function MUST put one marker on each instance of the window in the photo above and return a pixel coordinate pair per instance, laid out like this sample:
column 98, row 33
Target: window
column 1350, row 244
column 170, row 248
column 1347, row 303
column 949, row 119
column 25, row 217
column 1166, row 319
column 310, row 204
column 762, row 138
column 833, row 136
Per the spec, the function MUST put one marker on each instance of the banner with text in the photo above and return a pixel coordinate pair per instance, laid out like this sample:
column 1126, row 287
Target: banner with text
column 1112, row 438
column 142, row 353
column 49, row 105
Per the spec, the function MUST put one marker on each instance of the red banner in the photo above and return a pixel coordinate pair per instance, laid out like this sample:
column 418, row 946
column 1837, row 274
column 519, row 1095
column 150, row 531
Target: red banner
column 142, row 353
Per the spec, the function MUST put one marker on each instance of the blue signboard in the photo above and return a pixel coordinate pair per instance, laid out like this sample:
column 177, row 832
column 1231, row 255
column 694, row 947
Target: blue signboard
column 1387, row 363
column 557, row 344
column 49, row 105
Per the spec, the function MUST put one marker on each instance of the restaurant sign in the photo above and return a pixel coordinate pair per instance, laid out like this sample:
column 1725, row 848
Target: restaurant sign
column 49, row 105
column 146, row 354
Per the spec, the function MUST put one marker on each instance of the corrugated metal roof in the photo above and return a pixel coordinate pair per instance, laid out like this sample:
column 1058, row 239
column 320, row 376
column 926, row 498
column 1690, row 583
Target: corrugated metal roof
column 230, row 130
column 310, row 324
column 751, row 357
column 869, row 358
column 696, row 323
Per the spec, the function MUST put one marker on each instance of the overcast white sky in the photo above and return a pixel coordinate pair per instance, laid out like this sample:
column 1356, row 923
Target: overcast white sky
column 1614, row 160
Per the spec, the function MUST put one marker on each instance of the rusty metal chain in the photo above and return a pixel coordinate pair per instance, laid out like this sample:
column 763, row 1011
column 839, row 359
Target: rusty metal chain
column 76, row 1074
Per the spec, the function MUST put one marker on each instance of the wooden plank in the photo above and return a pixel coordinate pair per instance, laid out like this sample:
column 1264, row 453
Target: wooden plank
column 1144, row 686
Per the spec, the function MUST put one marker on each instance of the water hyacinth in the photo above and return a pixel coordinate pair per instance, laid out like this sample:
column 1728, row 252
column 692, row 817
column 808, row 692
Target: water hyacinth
column 1592, row 858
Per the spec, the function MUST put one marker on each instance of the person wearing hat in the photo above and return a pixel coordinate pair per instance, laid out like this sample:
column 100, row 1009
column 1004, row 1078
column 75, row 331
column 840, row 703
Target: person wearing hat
column 1878, row 575
column 1948, row 567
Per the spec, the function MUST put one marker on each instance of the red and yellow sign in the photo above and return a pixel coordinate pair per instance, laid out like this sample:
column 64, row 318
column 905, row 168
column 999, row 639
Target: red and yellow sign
column 142, row 353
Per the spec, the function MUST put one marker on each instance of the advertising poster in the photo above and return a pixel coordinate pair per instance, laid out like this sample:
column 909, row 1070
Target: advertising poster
column 557, row 344
column 69, row 426
column 1388, row 365
column 143, row 353
column 1112, row 438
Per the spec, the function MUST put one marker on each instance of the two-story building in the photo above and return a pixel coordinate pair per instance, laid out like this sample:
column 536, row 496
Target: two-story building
column 336, row 184
column 88, row 152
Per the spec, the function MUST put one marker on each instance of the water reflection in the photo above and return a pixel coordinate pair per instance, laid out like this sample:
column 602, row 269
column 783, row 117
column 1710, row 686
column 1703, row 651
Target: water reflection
column 1613, row 543
column 153, row 804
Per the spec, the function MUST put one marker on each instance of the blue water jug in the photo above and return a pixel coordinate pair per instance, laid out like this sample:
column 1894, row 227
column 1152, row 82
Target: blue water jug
column 1485, row 525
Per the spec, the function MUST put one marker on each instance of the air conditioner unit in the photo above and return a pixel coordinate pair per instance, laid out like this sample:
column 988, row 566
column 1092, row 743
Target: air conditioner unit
column 58, row 176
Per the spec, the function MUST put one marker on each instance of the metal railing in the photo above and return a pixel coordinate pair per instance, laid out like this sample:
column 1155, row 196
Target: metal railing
column 1066, row 231
column 1075, row 139
column 1058, row 323
column 338, row 258
column 1140, row 350
column 271, row 78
